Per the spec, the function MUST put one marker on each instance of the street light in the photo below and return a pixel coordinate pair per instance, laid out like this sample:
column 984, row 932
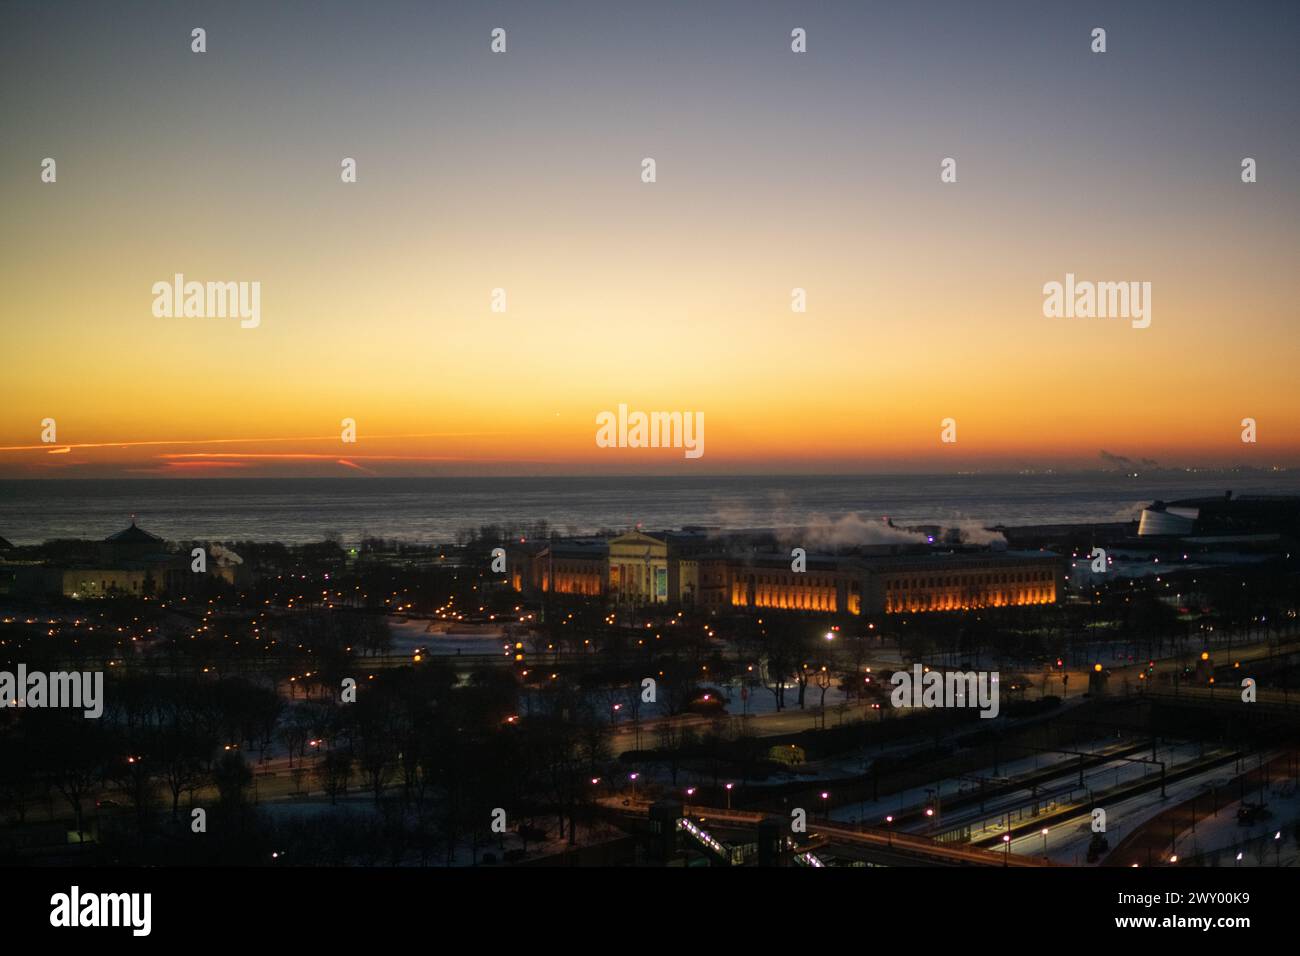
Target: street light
column 1044, row 841
column 729, row 786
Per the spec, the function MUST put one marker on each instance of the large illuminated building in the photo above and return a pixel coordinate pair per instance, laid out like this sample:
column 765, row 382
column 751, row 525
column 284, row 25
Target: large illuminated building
column 747, row 570
column 947, row 581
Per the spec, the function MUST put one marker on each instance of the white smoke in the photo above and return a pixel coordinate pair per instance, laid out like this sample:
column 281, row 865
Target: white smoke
column 974, row 533
column 853, row 530
column 224, row 555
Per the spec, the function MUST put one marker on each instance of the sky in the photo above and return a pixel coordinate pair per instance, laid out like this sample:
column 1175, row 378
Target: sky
column 522, row 171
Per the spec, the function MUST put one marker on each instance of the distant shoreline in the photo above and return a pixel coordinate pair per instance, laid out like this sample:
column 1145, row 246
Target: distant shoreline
column 1143, row 474
column 303, row 510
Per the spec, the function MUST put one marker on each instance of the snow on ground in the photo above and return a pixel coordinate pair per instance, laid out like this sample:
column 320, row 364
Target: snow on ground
column 874, row 812
column 448, row 639
column 359, row 804
column 1069, row 843
column 1098, row 780
column 1218, row 839
column 1065, row 844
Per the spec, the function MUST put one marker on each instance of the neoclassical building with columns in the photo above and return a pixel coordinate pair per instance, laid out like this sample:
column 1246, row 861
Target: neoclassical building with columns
column 641, row 568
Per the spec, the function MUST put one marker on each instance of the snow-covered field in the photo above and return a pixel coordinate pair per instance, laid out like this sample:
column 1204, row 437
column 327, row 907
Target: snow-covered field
column 447, row 639
column 1219, row 835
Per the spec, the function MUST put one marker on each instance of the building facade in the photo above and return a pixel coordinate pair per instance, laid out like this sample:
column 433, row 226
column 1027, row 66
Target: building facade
column 638, row 569
column 892, row 585
column 829, row 585
column 131, row 562
column 574, row 568
column 676, row 568
column 959, row 582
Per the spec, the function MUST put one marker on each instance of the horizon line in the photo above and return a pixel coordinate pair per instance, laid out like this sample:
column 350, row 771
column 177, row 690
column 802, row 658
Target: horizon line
column 962, row 473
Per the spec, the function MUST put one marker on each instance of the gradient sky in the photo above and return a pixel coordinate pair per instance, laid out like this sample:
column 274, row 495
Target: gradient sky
column 522, row 171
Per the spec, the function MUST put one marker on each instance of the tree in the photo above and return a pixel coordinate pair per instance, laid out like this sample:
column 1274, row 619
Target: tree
column 233, row 777
column 21, row 781
column 181, row 753
column 75, row 753
column 334, row 773
column 376, row 637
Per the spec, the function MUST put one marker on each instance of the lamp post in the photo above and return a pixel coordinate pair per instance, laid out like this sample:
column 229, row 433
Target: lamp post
column 935, row 812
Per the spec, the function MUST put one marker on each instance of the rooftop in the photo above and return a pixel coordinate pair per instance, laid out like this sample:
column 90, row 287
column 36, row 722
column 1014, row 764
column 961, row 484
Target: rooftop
column 133, row 535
